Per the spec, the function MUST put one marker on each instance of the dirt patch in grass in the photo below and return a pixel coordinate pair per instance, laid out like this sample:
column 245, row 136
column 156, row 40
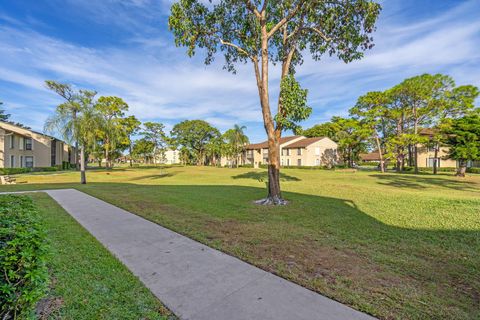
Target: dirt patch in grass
column 48, row 308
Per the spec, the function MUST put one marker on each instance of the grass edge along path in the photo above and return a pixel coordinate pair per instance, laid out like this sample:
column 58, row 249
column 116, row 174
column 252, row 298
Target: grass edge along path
column 87, row 281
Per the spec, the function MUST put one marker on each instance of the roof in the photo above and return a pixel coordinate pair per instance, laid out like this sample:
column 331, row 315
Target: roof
column 264, row 145
column 372, row 156
column 21, row 131
column 304, row 143
column 429, row 131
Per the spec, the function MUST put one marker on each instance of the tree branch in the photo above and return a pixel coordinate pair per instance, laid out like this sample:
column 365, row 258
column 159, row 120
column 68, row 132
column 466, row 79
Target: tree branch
column 253, row 9
column 320, row 33
column 289, row 16
column 233, row 45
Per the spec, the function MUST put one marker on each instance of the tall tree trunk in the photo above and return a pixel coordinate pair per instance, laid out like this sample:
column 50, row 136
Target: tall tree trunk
column 130, row 154
column 274, row 192
column 462, row 168
column 415, row 147
column 83, row 177
column 380, row 153
column 75, row 157
column 435, row 160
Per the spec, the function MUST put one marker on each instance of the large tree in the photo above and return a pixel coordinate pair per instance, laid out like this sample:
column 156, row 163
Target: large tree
column 326, row 129
column 463, row 136
column 266, row 32
column 131, row 126
column 111, row 131
column 194, row 135
column 154, row 132
column 370, row 111
column 236, row 141
column 74, row 120
column 144, row 149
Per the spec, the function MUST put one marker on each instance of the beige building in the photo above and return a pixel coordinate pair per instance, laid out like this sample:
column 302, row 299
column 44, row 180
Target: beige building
column 295, row 151
column 426, row 155
column 23, row 148
column 171, row 156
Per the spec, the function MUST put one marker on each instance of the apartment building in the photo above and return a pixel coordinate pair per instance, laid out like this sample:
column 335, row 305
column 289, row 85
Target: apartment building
column 24, row 148
column 295, row 151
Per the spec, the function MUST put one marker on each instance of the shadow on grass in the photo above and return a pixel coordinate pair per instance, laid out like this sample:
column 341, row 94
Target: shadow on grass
column 156, row 176
column 423, row 182
column 327, row 237
column 262, row 176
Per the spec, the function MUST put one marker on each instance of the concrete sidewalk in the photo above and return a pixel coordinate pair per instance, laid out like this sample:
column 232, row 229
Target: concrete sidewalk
column 193, row 280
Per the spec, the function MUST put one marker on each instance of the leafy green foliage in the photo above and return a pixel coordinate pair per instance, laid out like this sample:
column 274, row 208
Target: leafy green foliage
column 293, row 101
column 143, row 148
column 464, row 138
column 23, row 252
column 194, row 136
column 111, row 133
column 154, row 133
column 326, row 129
column 235, row 143
column 11, row 171
column 340, row 28
column 3, row 115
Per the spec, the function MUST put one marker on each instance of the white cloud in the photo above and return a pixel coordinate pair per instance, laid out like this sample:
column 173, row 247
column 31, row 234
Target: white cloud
column 161, row 83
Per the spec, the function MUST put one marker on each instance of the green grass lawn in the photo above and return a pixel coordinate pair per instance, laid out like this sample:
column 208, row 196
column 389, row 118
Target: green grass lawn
column 87, row 282
column 395, row 246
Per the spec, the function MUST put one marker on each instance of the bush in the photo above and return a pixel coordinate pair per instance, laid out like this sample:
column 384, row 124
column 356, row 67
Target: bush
column 23, row 253
column 12, row 171
column 246, row 166
column 473, row 170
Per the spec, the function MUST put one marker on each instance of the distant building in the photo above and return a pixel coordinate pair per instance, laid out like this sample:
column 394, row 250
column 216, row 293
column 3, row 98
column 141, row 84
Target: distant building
column 171, row 156
column 426, row 154
column 294, row 151
column 24, row 148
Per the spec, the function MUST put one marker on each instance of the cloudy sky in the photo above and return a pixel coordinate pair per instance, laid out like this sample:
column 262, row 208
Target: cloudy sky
column 124, row 48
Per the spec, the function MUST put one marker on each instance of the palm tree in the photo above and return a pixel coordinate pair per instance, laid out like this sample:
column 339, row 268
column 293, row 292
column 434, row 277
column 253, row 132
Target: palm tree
column 236, row 140
column 74, row 120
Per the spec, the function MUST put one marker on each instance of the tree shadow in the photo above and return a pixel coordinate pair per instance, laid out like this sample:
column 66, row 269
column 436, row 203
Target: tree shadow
column 156, row 176
column 419, row 182
column 262, row 176
column 325, row 239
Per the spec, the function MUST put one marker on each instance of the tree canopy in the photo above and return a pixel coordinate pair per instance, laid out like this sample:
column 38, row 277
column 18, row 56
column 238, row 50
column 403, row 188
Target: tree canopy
column 463, row 136
column 194, row 135
column 281, row 32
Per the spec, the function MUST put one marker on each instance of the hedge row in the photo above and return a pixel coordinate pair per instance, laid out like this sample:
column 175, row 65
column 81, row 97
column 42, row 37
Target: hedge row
column 11, row 171
column 23, row 252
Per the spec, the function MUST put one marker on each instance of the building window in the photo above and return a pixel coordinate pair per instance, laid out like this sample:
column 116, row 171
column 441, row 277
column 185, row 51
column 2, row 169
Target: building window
column 317, row 162
column 28, row 143
column 317, row 151
column 299, row 151
column 12, row 161
column 288, row 152
column 12, row 141
column 288, row 162
column 21, row 162
column 28, row 162
column 299, row 162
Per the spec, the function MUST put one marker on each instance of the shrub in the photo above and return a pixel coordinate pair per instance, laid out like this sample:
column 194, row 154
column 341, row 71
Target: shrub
column 246, row 166
column 23, row 253
column 12, row 171
column 473, row 170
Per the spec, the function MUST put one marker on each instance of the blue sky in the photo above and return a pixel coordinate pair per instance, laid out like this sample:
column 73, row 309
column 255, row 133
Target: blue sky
column 124, row 48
